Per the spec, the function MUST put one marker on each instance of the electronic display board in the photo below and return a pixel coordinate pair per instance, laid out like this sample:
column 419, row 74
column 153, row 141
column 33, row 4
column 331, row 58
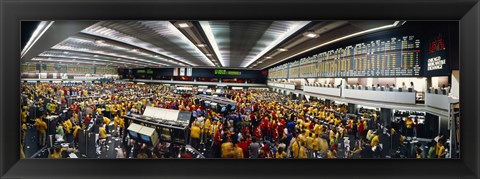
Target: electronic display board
column 226, row 72
column 383, row 57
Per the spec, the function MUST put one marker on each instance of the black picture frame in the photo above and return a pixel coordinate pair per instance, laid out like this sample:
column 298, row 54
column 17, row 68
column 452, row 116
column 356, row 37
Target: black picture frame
column 12, row 12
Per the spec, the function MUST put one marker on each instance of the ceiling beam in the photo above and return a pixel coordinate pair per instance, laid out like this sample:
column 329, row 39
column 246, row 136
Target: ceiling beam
column 56, row 33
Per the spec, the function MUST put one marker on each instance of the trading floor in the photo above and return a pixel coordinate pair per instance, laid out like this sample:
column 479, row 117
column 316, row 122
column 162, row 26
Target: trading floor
column 250, row 124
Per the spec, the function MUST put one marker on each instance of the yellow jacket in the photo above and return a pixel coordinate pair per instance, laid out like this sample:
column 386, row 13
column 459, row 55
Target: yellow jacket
column 310, row 142
column 227, row 150
column 409, row 123
column 68, row 126
column 238, row 152
column 116, row 121
column 106, row 120
column 195, row 132
column 102, row 133
column 330, row 154
column 374, row 141
column 75, row 130
column 41, row 126
column 122, row 123
column 282, row 155
column 24, row 116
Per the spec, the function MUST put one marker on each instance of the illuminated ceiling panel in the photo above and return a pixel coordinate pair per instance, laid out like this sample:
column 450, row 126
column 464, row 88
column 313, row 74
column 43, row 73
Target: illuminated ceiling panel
column 240, row 43
column 164, row 43
column 218, row 35
column 90, row 46
column 91, row 57
column 278, row 31
column 159, row 37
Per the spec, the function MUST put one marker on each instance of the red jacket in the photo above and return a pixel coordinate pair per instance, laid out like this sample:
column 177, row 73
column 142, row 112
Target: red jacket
column 258, row 132
column 217, row 139
column 360, row 128
column 275, row 134
column 244, row 146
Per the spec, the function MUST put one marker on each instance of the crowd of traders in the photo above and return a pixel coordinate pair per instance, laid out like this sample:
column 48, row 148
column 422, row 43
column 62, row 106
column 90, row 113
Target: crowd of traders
column 270, row 125
column 263, row 124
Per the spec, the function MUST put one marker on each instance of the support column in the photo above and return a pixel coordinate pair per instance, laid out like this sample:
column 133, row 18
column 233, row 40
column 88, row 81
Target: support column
column 352, row 108
column 328, row 102
column 386, row 116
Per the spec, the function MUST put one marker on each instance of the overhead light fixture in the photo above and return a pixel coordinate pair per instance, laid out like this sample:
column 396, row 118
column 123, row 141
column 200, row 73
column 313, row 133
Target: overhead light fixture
column 155, row 55
column 41, row 28
column 65, row 52
column 183, row 25
column 208, row 54
column 134, row 50
column 95, row 55
column 310, row 34
column 201, row 45
column 293, row 27
column 99, row 41
column 211, row 39
column 268, row 57
column 260, row 62
column 282, row 49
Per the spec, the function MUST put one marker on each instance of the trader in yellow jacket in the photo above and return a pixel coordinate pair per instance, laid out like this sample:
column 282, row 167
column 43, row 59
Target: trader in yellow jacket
column 106, row 121
column 237, row 151
column 227, row 150
column 195, row 135
column 42, row 131
column 375, row 141
column 68, row 126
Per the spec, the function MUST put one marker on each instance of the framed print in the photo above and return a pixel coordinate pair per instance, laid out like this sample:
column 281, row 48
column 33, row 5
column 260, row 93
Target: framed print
column 253, row 89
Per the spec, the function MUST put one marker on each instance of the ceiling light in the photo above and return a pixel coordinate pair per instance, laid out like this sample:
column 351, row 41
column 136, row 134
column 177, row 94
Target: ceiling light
column 134, row 50
column 260, row 62
column 268, row 57
column 201, row 45
column 208, row 54
column 183, row 25
column 95, row 55
column 292, row 27
column 65, row 52
column 282, row 49
column 310, row 34
column 41, row 28
column 211, row 39
column 99, row 41
column 155, row 55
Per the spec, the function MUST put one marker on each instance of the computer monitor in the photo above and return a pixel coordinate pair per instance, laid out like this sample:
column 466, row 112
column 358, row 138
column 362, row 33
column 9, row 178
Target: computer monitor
column 145, row 138
column 133, row 135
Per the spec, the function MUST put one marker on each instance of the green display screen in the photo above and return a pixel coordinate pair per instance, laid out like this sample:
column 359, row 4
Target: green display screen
column 140, row 71
column 227, row 72
column 150, row 71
